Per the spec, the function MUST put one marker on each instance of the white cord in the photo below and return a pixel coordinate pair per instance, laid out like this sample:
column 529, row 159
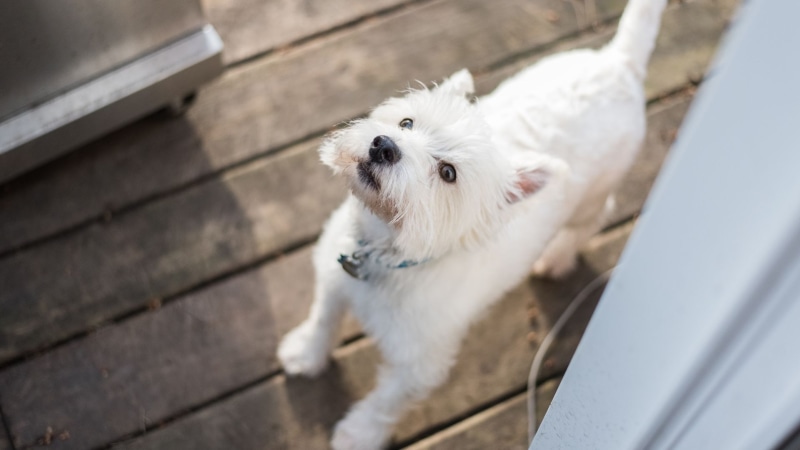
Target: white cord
column 545, row 345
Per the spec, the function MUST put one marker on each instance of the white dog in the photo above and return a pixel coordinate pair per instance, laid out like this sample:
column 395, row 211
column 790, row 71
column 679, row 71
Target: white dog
column 453, row 202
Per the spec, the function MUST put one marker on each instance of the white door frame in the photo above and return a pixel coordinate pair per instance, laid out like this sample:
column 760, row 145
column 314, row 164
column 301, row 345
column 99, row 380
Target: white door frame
column 696, row 341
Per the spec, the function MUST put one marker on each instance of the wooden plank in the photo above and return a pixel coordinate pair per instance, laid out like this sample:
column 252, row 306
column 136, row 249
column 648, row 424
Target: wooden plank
column 167, row 246
column 275, row 101
column 503, row 426
column 133, row 375
column 279, row 414
column 5, row 443
column 685, row 47
column 251, row 27
column 299, row 413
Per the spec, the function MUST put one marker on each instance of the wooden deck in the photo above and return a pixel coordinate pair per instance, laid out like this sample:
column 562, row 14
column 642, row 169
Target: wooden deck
column 146, row 278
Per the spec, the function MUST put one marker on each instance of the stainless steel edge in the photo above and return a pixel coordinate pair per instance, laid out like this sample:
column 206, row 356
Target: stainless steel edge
column 94, row 108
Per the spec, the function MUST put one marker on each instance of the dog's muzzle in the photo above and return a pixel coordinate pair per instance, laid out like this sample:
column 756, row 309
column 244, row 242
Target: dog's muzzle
column 383, row 150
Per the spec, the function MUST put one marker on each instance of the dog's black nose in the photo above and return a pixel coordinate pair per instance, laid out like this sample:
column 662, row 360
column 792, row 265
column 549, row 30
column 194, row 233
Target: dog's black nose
column 384, row 151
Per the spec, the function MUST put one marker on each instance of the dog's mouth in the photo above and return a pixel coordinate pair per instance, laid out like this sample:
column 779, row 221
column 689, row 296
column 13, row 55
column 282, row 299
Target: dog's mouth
column 367, row 176
column 367, row 188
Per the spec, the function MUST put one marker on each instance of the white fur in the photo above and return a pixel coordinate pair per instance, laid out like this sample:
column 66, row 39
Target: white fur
column 536, row 161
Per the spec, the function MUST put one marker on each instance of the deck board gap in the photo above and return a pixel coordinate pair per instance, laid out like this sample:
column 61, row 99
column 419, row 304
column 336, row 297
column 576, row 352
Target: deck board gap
column 6, row 429
column 265, row 259
column 509, row 396
column 620, row 223
column 583, row 33
column 110, row 214
column 687, row 89
column 346, row 26
column 436, row 428
column 352, row 339
column 186, row 412
column 239, row 390
column 608, row 24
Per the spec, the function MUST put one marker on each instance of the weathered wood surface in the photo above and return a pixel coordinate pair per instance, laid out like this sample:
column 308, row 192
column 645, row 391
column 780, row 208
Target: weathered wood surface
column 5, row 444
column 132, row 376
column 274, row 101
column 298, row 413
column 501, row 427
column 251, row 27
column 686, row 44
column 169, row 245
column 279, row 414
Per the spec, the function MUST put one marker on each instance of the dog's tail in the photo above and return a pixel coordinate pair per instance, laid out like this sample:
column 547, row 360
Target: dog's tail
column 636, row 35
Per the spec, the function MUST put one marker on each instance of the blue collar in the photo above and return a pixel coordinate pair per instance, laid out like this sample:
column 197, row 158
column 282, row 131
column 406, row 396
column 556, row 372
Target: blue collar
column 357, row 264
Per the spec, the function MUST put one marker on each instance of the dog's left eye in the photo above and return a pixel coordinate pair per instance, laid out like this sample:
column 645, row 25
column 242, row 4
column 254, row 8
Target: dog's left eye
column 447, row 172
column 407, row 124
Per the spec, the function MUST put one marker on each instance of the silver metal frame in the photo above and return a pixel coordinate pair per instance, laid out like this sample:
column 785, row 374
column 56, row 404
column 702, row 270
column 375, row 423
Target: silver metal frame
column 98, row 106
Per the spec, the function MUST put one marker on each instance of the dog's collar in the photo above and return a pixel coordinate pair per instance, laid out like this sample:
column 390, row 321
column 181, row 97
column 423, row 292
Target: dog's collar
column 369, row 258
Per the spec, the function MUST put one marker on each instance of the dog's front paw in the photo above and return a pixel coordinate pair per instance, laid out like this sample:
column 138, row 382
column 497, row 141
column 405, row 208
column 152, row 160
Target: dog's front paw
column 359, row 431
column 304, row 351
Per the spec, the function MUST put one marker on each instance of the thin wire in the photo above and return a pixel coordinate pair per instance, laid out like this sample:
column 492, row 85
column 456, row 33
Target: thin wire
column 538, row 358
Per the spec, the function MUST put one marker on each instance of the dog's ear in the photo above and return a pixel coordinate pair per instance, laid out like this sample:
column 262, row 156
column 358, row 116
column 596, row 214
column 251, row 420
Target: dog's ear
column 459, row 83
column 532, row 175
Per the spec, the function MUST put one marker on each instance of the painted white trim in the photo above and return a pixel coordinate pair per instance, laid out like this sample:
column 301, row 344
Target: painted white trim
column 696, row 341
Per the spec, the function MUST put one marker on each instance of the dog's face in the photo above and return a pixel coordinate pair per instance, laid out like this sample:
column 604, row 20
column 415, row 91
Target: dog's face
column 425, row 164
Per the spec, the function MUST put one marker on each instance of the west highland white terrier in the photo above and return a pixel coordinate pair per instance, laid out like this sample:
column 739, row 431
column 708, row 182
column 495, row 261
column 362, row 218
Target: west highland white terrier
column 453, row 202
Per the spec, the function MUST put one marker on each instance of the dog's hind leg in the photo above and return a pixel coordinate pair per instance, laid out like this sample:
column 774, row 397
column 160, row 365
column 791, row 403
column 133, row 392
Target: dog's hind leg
column 561, row 254
column 306, row 349
column 409, row 374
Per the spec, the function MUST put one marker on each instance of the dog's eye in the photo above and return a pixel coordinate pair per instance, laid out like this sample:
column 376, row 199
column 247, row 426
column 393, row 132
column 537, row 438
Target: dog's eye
column 447, row 172
column 407, row 124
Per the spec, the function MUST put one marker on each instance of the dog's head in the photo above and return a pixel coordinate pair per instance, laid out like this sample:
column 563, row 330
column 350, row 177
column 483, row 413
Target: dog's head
column 426, row 165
